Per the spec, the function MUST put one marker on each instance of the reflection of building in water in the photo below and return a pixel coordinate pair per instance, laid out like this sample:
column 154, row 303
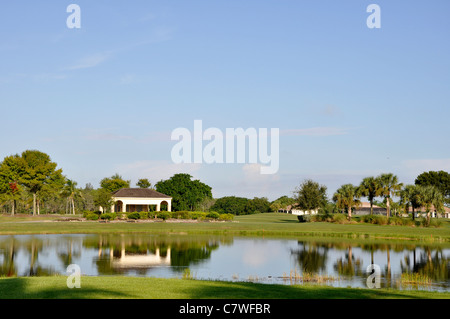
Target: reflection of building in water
column 131, row 260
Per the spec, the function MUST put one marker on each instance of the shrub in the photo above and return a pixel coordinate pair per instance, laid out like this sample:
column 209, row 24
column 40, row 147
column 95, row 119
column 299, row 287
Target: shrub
column 164, row 215
column 198, row 215
column 86, row 212
column 395, row 221
column 92, row 216
column 134, row 215
column 435, row 223
column 226, row 216
column 108, row 216
column 143, row 215
column 377, row 220
column 182, row 214
column 339, row 218
column 320, row 217
column 304, row 218
column 212, row 215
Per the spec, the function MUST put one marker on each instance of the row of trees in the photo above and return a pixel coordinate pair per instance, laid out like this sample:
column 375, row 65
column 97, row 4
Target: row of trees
column 32, row 179
column 430, row 191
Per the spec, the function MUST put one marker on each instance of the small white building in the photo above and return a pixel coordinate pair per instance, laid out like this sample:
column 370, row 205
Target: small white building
column 289, row 210
column 127, row 200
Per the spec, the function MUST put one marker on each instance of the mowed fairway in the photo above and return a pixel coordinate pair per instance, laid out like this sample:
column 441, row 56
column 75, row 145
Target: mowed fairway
column 268, row 224
column 119, row 287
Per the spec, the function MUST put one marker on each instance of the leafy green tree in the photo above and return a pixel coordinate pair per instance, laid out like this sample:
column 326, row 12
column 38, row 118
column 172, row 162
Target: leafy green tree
column 258, row 204
column 310, row 195
column 231, row 205
column 370, row 187
column 114, row 183
column 143, row 183
column 39, row 171
column 390, row 186
column 11, row 169
column 186, row 193
column 281, row 203
column 50, row 192
column 103, row 198
column 347, row 197
column 440, row 179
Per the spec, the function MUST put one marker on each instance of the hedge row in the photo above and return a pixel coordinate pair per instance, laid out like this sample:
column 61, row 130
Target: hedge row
column 161, row 215
column 370, row 219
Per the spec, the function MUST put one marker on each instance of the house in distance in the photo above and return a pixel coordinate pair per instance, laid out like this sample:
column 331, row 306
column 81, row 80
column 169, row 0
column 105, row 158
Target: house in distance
column 128, row 200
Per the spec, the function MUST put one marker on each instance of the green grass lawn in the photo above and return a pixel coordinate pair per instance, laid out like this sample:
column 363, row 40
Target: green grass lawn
column 119, row 287
column 268, row 224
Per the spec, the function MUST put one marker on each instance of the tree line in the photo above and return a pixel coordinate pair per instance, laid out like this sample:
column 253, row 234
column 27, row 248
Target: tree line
column 32, row 182
column 431, row 191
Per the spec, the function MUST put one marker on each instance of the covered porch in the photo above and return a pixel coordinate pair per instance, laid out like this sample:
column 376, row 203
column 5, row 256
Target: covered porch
column 131, row 206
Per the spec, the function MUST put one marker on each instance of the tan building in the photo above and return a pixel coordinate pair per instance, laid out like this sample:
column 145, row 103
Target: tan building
column 140, row 200
column 364, row 209
column 422, row 212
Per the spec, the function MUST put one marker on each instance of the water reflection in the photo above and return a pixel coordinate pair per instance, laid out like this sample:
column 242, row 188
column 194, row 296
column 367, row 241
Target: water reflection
column 430, row 264
column 226, row 258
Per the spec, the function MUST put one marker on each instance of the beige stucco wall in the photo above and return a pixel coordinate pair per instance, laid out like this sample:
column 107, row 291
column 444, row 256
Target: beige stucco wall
column 143, row 201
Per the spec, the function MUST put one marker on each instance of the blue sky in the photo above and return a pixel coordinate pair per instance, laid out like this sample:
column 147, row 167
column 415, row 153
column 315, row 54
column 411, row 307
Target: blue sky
column 349, row 101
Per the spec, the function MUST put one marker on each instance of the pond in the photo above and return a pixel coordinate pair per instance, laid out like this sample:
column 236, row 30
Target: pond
column 337, row 263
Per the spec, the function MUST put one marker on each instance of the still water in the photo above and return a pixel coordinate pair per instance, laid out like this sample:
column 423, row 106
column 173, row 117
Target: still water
column 282, row 261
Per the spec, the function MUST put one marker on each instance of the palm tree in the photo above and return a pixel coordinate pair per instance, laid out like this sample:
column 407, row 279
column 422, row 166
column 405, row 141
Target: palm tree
column 431, row 196
column 389, row 187
column 71, row 192
column 371, row 188
column 347, row 197
column 410, row 197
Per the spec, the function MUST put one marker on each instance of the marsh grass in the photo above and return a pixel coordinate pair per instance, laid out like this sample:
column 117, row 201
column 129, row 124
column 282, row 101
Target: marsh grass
column 295, row 277
column 415, row 279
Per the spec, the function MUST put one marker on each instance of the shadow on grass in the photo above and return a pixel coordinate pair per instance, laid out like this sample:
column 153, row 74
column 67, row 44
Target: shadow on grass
column 25, row 288
column 284, row 221
column 244, row 290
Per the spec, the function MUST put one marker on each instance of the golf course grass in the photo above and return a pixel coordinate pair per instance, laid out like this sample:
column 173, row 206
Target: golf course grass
column 267, row 224
column 119, row 287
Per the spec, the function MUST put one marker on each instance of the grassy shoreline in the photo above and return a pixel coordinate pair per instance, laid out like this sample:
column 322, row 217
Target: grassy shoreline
column 118, row 287
column 268, row 224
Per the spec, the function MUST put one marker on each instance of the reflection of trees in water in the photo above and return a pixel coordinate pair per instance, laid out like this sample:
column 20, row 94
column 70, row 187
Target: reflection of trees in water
column 311, row 257
column 68, row 252
column 8, row 250
column 429, row 262
column 186, row 255
column 32, row 247
column 350, row 266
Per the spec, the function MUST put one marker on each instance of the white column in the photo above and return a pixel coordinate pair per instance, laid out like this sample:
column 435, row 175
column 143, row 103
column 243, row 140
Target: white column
column 169, row 205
